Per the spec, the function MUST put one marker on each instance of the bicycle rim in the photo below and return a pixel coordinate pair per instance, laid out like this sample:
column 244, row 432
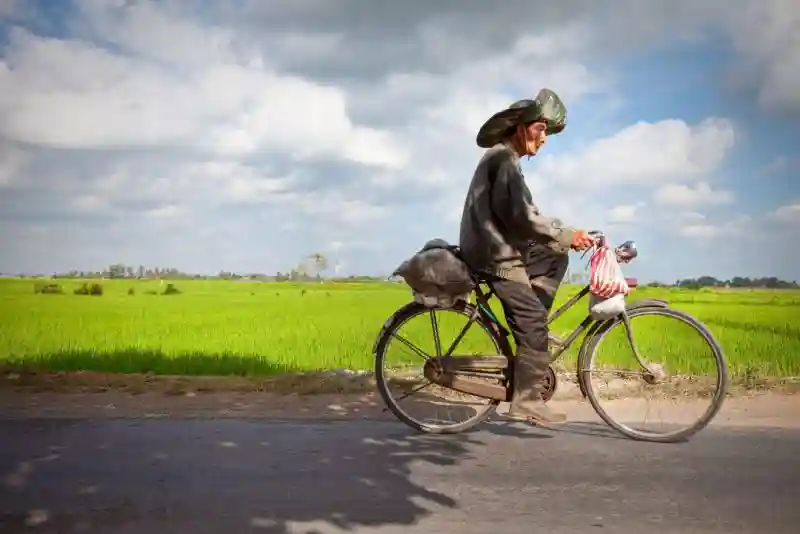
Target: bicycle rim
column 681, row 392
column 389, row 380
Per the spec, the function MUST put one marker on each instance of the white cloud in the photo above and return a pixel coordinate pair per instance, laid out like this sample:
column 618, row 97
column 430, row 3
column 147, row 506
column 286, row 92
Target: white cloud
column 70, row 94
column 690, row 217
column 171, row 36
column 623, row 214
column 445, row 109
column 766, row 35
column 171, row 214
column 203, row 184
column 645, row 153
column 700, row 231
column 789, row 213
column 778, row 165
column 686, row 196
column 763, row 33
column 91, row 204
column 340, row 210
column 6, row 7
column 584, row 188
column 696, row 226
column 12, row 161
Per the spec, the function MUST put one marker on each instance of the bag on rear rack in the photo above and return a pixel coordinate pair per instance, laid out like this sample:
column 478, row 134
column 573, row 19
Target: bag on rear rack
column 438, row 278
column 607, row 285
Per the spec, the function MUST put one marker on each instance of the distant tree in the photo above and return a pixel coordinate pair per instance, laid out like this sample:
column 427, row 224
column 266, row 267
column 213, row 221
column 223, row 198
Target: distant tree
column 318, row 263
column 116, row 271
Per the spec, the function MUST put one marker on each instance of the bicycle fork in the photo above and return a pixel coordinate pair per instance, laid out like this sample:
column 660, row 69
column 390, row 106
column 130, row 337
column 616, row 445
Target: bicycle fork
column 650, row 374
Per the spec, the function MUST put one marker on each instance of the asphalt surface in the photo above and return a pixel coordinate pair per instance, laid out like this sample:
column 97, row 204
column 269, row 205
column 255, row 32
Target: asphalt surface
column 238, row 476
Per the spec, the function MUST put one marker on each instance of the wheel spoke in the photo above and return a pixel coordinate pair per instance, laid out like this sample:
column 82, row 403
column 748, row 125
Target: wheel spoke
column 614, row 371
column 411, row 346
column 414, row 390
column 436, row 341
column 460, row 336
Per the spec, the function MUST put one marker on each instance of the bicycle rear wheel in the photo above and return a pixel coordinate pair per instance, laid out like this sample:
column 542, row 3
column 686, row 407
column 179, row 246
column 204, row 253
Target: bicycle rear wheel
column 410, row 396
column 679, row 341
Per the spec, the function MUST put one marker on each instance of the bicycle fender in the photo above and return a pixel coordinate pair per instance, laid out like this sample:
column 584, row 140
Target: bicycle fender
column 646, row 303
column 381, row 333
column 389, row 323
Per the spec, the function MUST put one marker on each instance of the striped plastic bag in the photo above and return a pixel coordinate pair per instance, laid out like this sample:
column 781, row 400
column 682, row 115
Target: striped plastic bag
column 605, row 275
column 607, row 285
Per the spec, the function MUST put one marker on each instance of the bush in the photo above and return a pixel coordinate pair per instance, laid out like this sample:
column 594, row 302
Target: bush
column 47, row 288
column 171, row 290
column 95, row 289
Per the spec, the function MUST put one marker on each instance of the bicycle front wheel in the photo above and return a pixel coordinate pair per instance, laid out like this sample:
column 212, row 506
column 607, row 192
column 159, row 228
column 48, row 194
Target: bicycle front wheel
column 413, row 336
column 685, row 381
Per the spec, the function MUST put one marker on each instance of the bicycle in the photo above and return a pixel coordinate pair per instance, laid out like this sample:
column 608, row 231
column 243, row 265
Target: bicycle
column 454, row 373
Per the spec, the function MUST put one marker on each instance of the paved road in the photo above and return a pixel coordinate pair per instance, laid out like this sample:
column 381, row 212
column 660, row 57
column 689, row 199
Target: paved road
column 238, row 476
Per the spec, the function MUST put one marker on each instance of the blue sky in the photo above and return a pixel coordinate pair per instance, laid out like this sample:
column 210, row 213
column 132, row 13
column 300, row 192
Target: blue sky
column 243, row 137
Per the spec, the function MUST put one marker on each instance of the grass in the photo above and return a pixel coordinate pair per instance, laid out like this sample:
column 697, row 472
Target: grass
column 257, row 329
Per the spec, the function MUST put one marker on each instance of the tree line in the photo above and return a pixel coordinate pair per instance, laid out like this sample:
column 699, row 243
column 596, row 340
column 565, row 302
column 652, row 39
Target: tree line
column 737, row 282
column 309, row 269
column 312, row 267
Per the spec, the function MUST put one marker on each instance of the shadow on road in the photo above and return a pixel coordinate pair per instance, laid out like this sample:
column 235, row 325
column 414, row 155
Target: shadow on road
column 220, row 476
column 596, row 430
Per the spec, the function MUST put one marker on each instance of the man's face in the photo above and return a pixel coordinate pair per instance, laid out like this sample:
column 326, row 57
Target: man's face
column 536, row 137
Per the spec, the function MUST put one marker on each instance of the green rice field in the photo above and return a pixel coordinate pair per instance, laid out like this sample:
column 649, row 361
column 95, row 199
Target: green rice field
column 258, row 328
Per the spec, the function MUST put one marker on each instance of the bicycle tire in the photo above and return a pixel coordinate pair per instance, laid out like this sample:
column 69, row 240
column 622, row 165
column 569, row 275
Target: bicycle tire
column 399, row 318
column 718, row 399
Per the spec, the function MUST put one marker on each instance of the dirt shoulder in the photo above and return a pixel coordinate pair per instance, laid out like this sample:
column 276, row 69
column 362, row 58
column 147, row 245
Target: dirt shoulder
column 339, row 381
column 764, row 408
column 326, row 398
column 760, row 409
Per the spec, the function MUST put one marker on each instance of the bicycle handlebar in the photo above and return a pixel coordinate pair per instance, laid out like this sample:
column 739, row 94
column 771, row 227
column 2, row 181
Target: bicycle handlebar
column 625, row 252
column 598, row 235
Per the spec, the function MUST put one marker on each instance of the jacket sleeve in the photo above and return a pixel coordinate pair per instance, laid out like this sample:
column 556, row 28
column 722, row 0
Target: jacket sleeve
column 513, row 206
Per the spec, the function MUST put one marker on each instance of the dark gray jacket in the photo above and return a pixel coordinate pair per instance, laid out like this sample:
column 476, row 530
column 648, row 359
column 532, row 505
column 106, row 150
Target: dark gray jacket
column 500, row 218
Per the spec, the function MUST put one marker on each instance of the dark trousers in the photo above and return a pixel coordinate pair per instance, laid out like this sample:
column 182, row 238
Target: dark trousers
column 526, row 309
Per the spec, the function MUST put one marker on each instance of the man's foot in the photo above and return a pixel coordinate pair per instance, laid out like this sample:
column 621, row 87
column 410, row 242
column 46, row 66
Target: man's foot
column 535, row 412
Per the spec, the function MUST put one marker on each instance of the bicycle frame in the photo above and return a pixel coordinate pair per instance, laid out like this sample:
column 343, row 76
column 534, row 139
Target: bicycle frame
column 483, row 311
column 483, row 298
column 561, row 345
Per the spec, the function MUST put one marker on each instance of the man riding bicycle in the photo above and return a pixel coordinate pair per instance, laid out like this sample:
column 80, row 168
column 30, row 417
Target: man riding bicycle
column 503, row 234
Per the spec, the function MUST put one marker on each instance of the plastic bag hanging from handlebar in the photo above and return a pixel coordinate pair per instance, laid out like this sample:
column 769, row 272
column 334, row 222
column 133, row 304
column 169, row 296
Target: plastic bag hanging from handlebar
column 605, row 274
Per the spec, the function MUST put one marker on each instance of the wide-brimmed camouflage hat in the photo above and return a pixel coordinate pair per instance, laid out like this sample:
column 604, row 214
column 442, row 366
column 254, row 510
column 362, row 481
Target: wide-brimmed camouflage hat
column 547, row 107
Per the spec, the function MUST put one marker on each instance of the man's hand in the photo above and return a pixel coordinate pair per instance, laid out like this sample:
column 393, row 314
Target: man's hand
column 581, row 240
